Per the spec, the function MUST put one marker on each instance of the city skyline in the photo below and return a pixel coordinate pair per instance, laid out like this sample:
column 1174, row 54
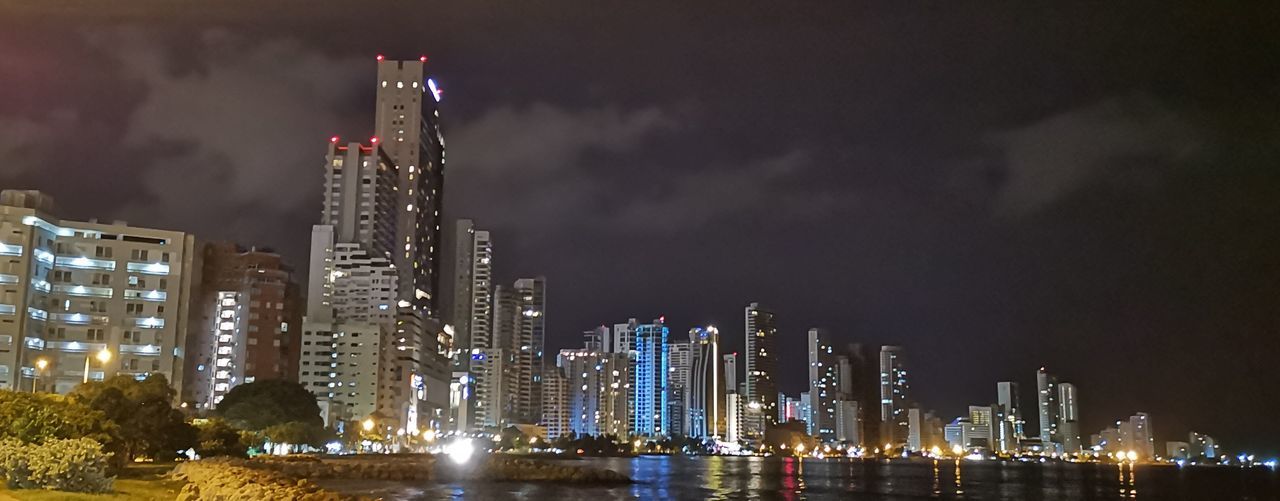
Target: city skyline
column 902, row 189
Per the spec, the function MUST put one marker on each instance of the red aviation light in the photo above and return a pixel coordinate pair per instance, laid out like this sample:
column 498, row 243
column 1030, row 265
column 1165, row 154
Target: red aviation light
column 423, row 59
column 379, row 57
column 333, row 139
column 373, row 140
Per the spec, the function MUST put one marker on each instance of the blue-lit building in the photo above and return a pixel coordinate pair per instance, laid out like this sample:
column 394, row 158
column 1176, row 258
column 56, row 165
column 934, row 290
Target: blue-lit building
column 652, row 358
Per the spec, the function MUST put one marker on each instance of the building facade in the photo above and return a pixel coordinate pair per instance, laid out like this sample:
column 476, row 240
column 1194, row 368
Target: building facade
column 894, row 396
column 761, row 392
column 651, row 416
column 71, row 290
column 247, row 322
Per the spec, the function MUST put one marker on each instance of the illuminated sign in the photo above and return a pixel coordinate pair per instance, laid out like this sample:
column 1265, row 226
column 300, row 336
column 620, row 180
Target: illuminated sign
column 435, row 91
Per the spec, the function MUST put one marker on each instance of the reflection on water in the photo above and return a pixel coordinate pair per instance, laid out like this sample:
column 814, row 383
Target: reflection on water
column 678, row 478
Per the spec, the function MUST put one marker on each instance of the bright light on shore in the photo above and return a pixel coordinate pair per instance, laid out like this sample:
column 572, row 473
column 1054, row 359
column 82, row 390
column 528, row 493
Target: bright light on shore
column 460, row 451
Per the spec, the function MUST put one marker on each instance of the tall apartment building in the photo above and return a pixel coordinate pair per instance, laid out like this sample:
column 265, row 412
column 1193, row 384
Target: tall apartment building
column 407, row 123
column 248, row 322
column 598, row 385
column 761, row 393
column 894, row 398
column 652, row 365
column 1010, row 401
column 680, row 371
column 472, row 277
column 555, row 403
column 472, row 267
column 1049, row 408
column 531, row 331
column 824, row 385
column 69, row 290
column 1069, row 418
column 706, row 392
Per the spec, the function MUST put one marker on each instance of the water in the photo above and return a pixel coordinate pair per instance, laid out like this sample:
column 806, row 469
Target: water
column 679, row 478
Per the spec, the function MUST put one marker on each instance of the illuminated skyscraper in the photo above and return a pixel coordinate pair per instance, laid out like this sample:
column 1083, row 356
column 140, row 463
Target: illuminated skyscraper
column 652, row 364
column 1047, row 398
column 706, row 386
column 761, row 393
column 407, row 124
column 824, row 386
column 893, row 396
column 1068, row 418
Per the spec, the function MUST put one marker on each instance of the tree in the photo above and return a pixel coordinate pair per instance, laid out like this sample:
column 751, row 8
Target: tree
column 216, row 437
column 149, row 426
column 39, row 417
column 262, row 404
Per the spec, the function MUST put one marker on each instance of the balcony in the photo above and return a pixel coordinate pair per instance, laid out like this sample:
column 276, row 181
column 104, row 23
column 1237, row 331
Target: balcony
column 41, row 285
column 8, row 309
column 10, row 250
column 80, row 290
column 148, row 268
column 80, row 319
column 145, row 295
column 6, row 278
column 140, row 349
column 37, row 313
column 149, row 322
column 84, row 263
column 76, row 346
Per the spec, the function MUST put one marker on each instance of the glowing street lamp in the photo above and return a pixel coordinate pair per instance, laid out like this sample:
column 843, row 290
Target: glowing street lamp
column 41, row 364
column 367, row 424
column 103, row 356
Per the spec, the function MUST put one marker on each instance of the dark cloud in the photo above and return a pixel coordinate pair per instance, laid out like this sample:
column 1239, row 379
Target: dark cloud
column 1049, row 159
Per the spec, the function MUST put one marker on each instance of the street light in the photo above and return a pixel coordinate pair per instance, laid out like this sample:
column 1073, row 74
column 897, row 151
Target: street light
column 367, row 424
column 103, row 356
column 41, row 363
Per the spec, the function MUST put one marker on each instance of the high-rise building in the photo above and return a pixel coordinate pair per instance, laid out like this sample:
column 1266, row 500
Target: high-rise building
column 1068, row 418
column 1047, row 397
column 860, row 379
column 1203, row 445
column 398, row 371
column 598, row 384
column 248, row 323
column 407, row 125
column 624, row 336
column 555, row 403
column 471, row 261
column 652, row 365
column 1010, row 402
column 731, row 380
column 893, row 396
column 71, row 290
column 733, row 417
column 761, row 392
column 680, row 371
column 824, row 385
column 531, row 300
column 706, row 387
column 491, row 379
column 848, row 423
column 1136, row 435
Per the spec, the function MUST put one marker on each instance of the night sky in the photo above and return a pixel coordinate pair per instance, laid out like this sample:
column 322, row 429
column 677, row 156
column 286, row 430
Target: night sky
column 1095, row 189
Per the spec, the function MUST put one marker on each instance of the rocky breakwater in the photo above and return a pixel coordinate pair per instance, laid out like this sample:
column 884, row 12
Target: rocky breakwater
column 496, row 468
column 361, row 467
column 223, row 479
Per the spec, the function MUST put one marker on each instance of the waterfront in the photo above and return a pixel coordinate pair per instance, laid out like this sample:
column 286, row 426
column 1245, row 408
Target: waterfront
column 679, row 477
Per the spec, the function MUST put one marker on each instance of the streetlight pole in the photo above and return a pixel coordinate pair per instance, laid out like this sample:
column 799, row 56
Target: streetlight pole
column 40, row 365
column 103, row 356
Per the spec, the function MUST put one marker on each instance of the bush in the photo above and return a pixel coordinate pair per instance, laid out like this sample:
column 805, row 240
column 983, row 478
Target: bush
column 76, row 465
column 39, row 417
